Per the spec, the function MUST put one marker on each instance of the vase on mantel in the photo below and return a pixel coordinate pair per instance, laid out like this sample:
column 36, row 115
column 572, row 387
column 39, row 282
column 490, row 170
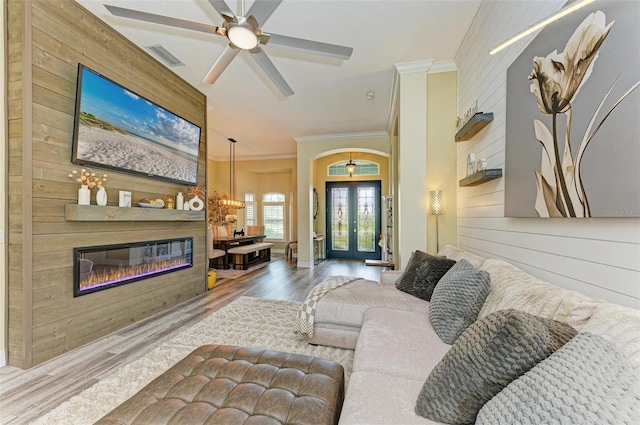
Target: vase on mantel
column 101, row 197
column 84, row 195
column 196, row 204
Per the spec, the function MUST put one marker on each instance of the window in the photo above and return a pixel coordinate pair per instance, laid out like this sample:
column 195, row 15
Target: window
column 363, row 168
column 250, row 209
column 273, row 215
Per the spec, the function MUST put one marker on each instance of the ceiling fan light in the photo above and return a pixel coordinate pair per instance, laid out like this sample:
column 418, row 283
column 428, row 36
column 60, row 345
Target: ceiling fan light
column 242, row 37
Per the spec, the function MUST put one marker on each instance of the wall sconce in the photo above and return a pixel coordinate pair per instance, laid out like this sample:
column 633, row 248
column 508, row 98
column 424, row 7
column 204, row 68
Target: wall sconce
column 351, row 166
column 436, row 207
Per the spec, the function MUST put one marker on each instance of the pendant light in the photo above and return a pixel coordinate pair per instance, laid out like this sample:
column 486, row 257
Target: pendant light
column 231, row 201
column 351, row 166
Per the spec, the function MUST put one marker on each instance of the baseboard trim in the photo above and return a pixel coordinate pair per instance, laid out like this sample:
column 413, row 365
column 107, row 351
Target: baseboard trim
column 304, row 264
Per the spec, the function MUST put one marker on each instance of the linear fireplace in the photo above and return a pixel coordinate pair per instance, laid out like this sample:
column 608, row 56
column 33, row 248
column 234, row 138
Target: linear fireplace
column 100, row 267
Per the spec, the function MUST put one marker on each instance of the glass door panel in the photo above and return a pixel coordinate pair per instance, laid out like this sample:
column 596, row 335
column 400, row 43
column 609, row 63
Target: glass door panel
column 339, row 219
column 366, row 198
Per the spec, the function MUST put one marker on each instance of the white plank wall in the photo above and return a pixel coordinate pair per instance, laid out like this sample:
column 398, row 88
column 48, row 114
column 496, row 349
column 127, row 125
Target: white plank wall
column 599, row 257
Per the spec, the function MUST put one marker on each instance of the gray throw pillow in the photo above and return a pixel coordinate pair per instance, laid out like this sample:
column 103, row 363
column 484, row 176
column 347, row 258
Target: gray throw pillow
column 457, row 300
column 422, row 273
column 588, row 381
column 489, row 354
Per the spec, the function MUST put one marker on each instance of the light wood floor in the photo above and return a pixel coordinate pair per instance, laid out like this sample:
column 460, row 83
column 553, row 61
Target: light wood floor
column 27, row 394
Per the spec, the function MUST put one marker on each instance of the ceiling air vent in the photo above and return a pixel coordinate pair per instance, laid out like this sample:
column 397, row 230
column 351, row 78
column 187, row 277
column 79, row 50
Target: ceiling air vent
column 164, row 55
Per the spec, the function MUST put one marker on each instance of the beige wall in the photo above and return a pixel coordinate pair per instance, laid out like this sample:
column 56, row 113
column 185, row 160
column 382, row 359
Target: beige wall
column 310, row 149
column 424, row 155
column 259, row 177
column 411, row 229
column 320, row 179
column 441, row 155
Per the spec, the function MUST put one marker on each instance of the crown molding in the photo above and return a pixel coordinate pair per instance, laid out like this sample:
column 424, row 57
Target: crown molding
column 217, row 158
column 443, row 66
column 330, row 137
column 429, row 66
column 416, row 66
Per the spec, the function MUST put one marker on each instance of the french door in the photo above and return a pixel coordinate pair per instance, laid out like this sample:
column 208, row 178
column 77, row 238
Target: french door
column 353, row 219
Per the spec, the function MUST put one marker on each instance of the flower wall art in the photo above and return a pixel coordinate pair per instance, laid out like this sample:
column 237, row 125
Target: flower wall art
column 573, row 118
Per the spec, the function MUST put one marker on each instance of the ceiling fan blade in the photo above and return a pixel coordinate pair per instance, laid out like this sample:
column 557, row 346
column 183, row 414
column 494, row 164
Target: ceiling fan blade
column 221, row 7
column 159, row 19
column 220, row 64
column 262, row 9
column 317, row 47
column 269, row 68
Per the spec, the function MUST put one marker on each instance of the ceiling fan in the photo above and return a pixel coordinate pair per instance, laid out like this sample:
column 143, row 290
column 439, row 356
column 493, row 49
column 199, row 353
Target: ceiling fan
column 244, row 33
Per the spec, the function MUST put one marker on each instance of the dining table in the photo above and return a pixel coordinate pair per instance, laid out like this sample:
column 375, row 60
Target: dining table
column 226, row 242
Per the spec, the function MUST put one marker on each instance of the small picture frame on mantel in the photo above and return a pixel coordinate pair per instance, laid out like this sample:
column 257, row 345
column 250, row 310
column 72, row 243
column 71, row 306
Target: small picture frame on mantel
column 124, row 199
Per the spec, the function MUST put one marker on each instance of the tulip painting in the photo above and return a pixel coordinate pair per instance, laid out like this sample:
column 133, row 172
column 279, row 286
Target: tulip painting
column 556, row 80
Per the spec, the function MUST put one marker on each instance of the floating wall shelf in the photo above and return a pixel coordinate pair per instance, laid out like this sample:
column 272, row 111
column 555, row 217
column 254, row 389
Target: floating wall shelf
column 74, row 212
column 473, row 126
column 481, row 177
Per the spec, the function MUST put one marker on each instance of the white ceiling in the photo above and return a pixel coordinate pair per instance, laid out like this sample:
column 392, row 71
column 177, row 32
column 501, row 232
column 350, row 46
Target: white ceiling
column 330, row 94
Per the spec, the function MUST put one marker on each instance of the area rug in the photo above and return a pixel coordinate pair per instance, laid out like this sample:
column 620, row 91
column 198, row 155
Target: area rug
column 252, row 322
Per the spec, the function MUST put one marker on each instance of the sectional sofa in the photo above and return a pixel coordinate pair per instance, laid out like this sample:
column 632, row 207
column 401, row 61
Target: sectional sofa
column 403, row 370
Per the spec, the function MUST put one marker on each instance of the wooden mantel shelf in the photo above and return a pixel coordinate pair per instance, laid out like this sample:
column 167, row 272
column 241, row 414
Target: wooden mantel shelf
column 74, row 212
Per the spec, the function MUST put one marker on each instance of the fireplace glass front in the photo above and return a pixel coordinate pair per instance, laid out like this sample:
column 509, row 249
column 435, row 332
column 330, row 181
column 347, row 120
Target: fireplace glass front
column 100, row 267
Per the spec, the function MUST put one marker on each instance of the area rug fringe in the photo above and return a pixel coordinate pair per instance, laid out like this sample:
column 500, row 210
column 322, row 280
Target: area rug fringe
column 253, row 322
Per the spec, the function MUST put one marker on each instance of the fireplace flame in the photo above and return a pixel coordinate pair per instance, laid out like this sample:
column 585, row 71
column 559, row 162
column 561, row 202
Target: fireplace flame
column 114, row 274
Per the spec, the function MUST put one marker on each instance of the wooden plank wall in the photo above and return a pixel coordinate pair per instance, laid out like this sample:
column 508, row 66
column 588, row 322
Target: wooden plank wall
column 61, row 34
column 598, row 257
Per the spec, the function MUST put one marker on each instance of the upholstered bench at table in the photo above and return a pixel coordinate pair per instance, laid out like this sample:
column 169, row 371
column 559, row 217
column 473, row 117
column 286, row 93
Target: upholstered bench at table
column 244, row 256
column 222, row 384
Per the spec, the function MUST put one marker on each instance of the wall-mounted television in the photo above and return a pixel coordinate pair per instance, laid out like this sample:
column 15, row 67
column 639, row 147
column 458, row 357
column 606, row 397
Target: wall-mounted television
column 118, row 129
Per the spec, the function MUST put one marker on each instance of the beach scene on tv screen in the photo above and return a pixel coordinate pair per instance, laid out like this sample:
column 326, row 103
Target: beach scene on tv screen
column 118, row 128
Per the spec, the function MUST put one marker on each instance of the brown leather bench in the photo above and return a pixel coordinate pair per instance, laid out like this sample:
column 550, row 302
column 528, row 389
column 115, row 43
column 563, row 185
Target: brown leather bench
column 222, row 384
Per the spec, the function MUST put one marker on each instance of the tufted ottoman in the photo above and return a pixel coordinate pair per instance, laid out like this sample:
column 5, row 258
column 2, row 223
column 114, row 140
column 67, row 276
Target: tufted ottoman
column 222, row 384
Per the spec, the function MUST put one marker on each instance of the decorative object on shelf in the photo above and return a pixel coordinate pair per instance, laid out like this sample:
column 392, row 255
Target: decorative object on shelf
column 124, row 199
column 151, row 203
column 170, row 202
column 481, row 164
column 351, row 166
column 186, row 206
column 196, row 203
column 231, row 201
column 436, row 207
column 476, row 123
column 180, row 201
column 471, row 164
column 481, row 177
column 461, row 121
column 101, row 197
column 572, row 122
column 84, row 195
column 88, row 180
